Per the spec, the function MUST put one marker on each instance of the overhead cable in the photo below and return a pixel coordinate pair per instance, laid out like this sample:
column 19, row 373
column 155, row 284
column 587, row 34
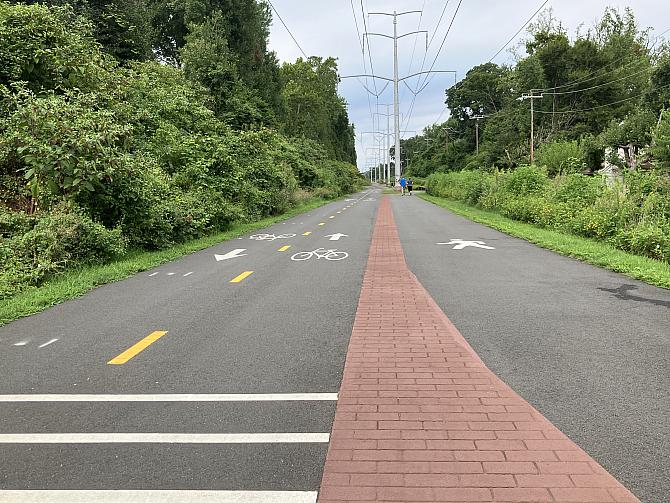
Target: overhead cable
column 289, row 31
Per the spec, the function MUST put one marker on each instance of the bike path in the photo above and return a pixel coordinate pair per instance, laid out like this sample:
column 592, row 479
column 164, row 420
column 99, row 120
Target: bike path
column 421, row 418
column 587, row 347
column 281, row 330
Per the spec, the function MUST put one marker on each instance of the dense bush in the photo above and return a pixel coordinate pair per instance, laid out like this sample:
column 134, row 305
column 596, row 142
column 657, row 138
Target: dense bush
column 561, row 157
column 96, row 157
column 35, row 248
column 633, row 215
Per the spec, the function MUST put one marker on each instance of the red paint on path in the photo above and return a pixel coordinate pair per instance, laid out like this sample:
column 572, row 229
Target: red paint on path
column 421, row 418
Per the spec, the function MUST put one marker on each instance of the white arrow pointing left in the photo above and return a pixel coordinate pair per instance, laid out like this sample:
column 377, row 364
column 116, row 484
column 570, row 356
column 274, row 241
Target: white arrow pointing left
column 232, row 254
column 336, row 237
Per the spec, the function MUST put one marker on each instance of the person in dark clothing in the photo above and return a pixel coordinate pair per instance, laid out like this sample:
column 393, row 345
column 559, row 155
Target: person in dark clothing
column 409, row 186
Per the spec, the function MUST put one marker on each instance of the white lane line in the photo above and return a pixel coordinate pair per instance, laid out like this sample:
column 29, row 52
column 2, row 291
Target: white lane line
column 153, row 274
column 164, row 438
column 188, row 273
column 158, row 496
column 170, row 274
column 210, row 397
column 47, row 343
column 21, row 343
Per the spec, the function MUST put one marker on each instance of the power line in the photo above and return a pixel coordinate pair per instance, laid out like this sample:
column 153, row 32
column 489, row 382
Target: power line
column 519, row 30
column 416, row 39
column 599, row 85
column 442, row 44
column 428, row 77
column 598, row 106
column 289, row 31
column 582, row 81
column 415, row 91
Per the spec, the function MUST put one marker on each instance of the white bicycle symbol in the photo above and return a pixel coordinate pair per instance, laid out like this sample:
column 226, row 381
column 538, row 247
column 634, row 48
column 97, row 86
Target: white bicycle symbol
column 270, row 237
column 320, row 253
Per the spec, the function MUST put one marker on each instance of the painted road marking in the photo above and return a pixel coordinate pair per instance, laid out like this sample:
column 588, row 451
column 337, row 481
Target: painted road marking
column 306, row 233
column 153, row 274
column 21, row 343
column 47, row 343
column 337, row 236
column 137, row 348
column 164, row 438
column 322, row 223
column 338, row 212
column 459, row 244
column 333, row 216
column 231, row 254
column 188, row 273
column 175, row 397
column 156, row 496
column 284, row 248
column 241, row 277
column 320, row 253
column 170, row 274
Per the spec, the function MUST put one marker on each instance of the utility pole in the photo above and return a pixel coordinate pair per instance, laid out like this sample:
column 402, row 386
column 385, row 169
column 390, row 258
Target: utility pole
column 477, row 118
column 387, row 156
column 396, row 99
column 530, row 96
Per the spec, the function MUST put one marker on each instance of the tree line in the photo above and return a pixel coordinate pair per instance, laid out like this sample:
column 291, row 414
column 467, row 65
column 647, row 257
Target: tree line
column 603, row 92
column 137, row 124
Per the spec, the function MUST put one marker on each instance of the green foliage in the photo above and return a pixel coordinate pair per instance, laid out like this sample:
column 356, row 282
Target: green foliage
column 98, row 157
column 661, row 144
column 63, row 145
column 561, row 157
column 633, row 216
column 603, row 89
column 60, row 239
column 48, row 49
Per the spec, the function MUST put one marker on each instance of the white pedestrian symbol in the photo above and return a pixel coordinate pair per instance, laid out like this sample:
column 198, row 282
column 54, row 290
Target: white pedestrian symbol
column 459, row 244
column 336, row 237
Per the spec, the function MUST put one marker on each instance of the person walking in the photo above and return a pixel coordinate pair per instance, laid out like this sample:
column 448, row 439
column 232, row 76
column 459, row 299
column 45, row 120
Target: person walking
column 403, row 184
column 409, row 186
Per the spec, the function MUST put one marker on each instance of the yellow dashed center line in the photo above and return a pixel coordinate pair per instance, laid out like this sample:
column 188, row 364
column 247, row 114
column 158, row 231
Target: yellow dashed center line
column 284, row 248
column 137, row 348
column 306, row 233
column 241, row 277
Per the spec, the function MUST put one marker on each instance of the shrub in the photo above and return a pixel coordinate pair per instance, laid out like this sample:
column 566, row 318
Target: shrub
column 561, row 157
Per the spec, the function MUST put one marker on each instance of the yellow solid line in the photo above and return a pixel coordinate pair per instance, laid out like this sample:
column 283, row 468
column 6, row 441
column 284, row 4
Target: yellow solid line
column 239, row 278
column 306, row 233
column 284, row 248
column 322, row 223
column 137, row 348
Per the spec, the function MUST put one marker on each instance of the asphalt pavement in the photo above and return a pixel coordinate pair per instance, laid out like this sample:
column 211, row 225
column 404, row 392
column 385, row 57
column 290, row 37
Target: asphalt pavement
column 588, row 348
column 200, row 375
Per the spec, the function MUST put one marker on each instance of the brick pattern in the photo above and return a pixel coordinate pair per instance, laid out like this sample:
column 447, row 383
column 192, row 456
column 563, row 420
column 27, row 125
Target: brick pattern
column 421, row 418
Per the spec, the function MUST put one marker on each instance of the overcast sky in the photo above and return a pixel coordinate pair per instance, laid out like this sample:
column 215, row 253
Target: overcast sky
column 480, row 29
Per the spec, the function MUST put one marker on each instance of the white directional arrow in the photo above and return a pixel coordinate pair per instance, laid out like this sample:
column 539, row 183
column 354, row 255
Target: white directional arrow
column 232, row 254
column 336, row 237
column 459, row 244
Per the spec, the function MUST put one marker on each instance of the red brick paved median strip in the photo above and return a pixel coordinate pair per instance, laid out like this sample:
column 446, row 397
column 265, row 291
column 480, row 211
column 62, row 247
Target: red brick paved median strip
column 421, row 418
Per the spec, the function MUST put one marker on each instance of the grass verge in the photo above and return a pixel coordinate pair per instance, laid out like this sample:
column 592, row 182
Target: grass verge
column 593, row 252
column 78, row 281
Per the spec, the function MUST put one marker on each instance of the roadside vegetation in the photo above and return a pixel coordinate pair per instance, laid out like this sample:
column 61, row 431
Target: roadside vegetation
column 601, row 167
column 141, row 125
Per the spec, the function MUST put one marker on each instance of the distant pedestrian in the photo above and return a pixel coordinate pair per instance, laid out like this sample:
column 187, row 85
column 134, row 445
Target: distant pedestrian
column 409, row 186
column 403, row 184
